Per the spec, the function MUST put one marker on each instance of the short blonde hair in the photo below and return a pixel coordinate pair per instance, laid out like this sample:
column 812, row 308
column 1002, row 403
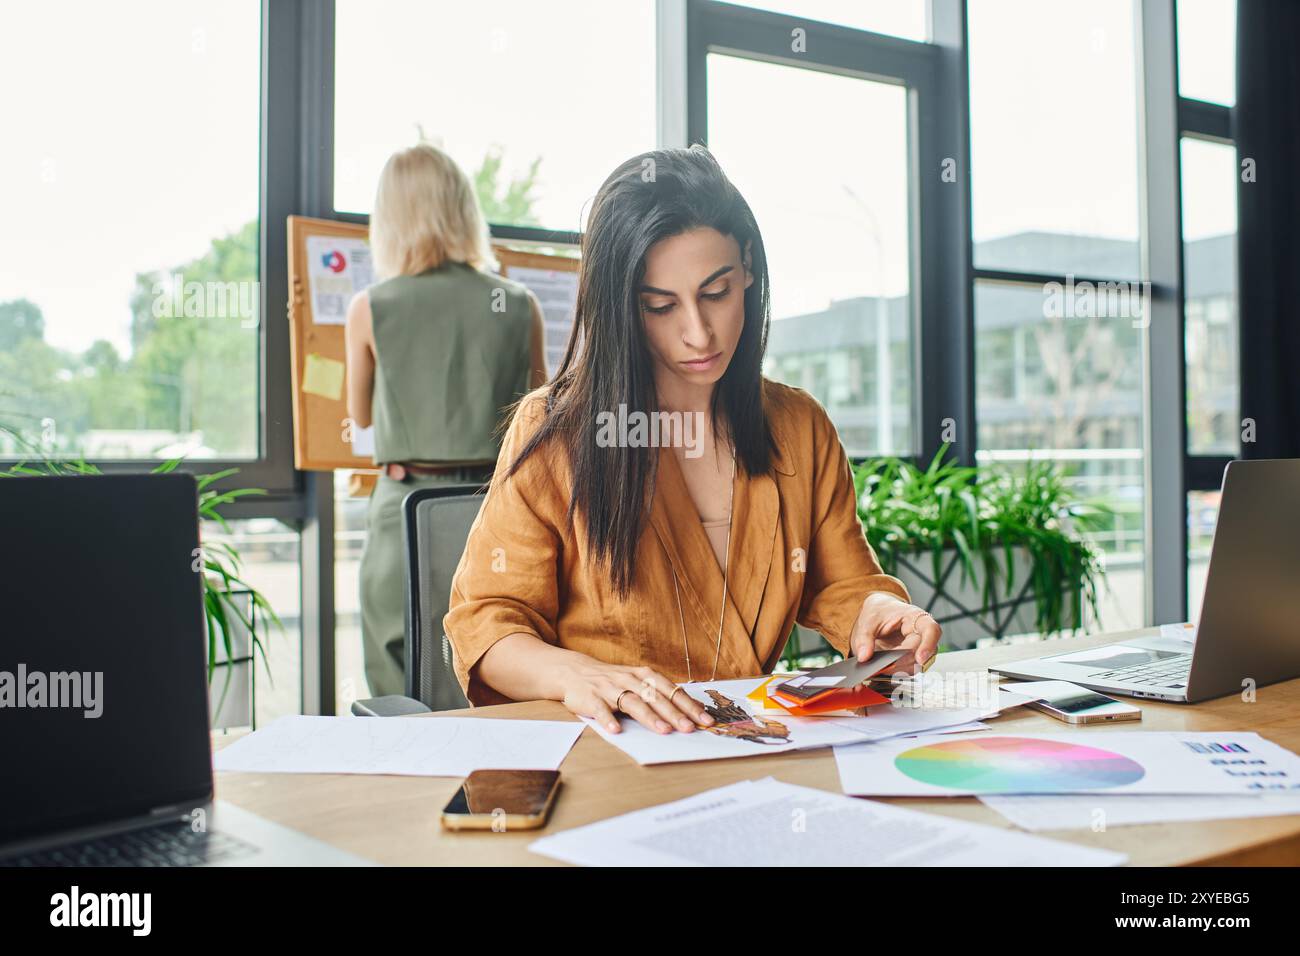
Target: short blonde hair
column 426, row 214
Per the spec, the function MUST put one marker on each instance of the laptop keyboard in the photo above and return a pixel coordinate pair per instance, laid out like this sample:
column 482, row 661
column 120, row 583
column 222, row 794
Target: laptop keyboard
column 1170, row 672
column 168, row 844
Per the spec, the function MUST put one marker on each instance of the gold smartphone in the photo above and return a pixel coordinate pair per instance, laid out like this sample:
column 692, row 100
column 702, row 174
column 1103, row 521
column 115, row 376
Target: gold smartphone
column 1084, row 707
column 502, row 800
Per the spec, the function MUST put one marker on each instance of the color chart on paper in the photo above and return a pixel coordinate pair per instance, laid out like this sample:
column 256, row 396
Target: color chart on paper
column 1017, row 765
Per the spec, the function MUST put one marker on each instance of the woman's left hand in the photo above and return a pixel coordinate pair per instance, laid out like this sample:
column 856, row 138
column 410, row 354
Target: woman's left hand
column 887, row 622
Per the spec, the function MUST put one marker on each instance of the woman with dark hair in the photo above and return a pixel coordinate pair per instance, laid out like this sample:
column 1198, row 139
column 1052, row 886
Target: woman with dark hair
column 662, row 512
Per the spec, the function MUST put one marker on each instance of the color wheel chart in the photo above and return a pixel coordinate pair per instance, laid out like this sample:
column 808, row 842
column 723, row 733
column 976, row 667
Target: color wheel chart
column 1017, row 765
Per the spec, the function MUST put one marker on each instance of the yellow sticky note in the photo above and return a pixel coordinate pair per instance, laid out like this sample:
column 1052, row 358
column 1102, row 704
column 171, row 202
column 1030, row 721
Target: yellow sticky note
column 323, row 376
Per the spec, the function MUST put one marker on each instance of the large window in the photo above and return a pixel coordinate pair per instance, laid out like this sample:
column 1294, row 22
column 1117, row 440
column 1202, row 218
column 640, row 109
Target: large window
column 837, row 242
column 1207, row 50
column 1054, row 163
column 269, row 551
column 1210, row 296
column 1210, row 173
column 1059, row 317
column 899, row 18
column 537, row 101
column 349, row 539
column 129, row 293
column 1202, row 516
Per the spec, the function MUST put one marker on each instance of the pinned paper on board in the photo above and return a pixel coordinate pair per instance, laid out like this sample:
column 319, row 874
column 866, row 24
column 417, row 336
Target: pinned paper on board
column 363, row 442
column 322, row 376
column 557, row 294
column 338, row 267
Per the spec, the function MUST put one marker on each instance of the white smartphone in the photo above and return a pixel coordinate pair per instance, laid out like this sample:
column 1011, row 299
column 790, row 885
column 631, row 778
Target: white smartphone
column 1079, row 705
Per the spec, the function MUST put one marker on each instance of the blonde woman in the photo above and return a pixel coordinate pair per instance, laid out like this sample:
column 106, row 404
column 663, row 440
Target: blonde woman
column 435, row 352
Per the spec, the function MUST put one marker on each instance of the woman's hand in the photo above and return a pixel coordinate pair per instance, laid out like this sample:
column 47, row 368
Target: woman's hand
column 887, row 622
column 593, row 689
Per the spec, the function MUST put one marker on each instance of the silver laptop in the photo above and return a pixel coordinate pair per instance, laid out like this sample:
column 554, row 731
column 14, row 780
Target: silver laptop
column 1248, row 631
column 103, row 685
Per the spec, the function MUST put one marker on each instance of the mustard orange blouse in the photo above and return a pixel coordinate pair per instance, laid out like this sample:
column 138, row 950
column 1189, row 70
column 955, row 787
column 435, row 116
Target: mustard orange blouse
column 798, row 553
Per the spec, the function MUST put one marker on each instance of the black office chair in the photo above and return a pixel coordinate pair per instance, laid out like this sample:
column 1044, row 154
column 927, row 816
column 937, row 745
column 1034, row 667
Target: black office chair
column 436, row 523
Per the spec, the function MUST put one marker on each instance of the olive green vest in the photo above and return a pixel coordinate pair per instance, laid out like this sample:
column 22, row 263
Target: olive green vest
column 452, row 348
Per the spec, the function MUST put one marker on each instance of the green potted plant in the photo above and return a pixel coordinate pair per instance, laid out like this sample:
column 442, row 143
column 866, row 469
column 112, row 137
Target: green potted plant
column 235, row 612
column 990, row 552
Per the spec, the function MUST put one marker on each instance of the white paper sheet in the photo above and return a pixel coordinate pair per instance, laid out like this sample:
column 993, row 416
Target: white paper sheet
column 1094, row 811
column 766, row 823
column 903, row 718
column 959, row 729
column 1111, row 762
column 363, row 442
column 889, row 720
column 407, row 746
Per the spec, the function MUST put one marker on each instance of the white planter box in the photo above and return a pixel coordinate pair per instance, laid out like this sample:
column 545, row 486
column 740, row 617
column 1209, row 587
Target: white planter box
column 230, row 691
column 958, row 605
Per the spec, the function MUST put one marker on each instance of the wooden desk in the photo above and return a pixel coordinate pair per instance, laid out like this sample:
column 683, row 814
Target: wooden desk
column 394, row 820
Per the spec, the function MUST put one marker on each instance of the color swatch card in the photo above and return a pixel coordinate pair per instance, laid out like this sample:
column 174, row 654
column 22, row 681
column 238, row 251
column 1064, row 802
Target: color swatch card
column 847, row 704
column 1086, row 761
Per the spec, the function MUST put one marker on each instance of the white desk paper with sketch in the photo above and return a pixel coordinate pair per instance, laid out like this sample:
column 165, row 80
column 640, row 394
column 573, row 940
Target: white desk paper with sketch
column 404, row 746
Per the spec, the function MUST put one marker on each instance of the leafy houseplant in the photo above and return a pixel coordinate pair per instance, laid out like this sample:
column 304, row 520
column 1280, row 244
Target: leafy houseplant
column 225, row 616
column 981, row 515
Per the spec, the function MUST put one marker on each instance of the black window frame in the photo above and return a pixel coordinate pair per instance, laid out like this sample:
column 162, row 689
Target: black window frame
column 933, row 74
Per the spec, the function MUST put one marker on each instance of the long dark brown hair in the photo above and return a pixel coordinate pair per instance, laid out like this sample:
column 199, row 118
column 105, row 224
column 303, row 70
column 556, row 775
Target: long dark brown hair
column 650, row 197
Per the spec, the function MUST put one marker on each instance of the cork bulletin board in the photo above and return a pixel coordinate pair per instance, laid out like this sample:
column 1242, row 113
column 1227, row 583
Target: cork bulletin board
column 329, row 261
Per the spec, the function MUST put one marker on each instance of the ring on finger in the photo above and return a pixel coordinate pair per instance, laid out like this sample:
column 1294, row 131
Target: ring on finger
column 618, row 699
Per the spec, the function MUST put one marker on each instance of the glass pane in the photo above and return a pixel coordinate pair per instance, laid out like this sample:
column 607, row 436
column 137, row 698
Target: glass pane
column 349, row 539
column 1054, row 136
column 1207, row 50
column 1210, row 293
column 538, row 102
column 269, row 553
column 841, row 314
column 1062, row 380
column 897, row 18
column 128, row 294
column 1202, row 513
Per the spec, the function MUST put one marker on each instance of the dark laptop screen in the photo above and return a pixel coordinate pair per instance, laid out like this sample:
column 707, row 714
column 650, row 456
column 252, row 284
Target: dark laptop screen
column 103, row 680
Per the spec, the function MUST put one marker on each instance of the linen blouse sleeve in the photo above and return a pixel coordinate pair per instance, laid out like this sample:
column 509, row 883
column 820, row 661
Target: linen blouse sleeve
column 842, row 568
column 506, row 582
